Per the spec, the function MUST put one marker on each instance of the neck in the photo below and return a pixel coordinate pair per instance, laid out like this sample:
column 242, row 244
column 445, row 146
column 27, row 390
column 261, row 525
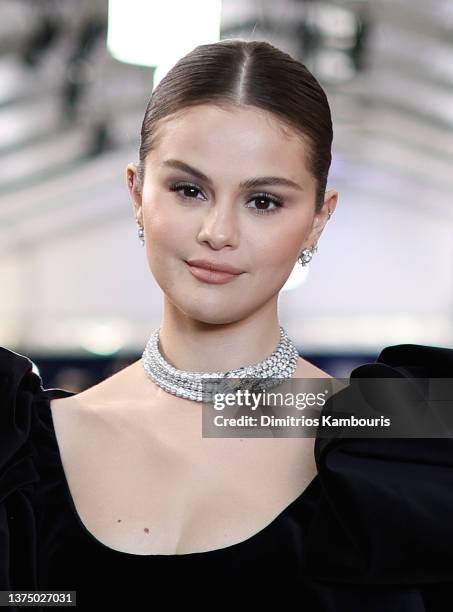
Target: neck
column 188, row 344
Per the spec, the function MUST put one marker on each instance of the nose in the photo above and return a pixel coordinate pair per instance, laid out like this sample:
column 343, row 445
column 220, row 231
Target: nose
column 219, row 226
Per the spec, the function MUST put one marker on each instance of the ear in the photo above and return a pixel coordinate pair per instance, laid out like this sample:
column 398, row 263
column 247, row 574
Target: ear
column 135, row 191
column 320, row 219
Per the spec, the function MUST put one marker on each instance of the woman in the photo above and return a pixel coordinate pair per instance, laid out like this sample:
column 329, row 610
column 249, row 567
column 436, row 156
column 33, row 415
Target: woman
column 113, row 491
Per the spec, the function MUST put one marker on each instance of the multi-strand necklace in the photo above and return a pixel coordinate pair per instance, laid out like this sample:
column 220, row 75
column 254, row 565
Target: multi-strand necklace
column 278, row 366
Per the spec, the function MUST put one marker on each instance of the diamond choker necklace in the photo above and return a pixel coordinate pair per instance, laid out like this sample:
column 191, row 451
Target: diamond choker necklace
column 278, row 366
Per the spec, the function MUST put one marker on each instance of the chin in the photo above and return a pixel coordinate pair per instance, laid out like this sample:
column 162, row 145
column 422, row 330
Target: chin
column 212, row 319
column 211, row 314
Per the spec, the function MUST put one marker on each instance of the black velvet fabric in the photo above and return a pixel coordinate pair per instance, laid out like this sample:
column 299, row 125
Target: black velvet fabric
column 373, row 531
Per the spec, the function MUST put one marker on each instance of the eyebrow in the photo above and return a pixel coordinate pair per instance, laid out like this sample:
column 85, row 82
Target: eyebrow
column 247, row 184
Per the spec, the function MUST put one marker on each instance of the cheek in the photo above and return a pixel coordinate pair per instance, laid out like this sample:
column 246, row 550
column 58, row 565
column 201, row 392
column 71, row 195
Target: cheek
column 280, row 249
column 163, row 226
column 167, row 242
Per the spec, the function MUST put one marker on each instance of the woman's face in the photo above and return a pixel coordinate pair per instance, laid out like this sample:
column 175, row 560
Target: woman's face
column 259, row 229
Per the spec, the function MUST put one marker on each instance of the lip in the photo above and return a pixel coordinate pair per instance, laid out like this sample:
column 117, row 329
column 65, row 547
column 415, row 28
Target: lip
column 214, row 266
column 215, row 277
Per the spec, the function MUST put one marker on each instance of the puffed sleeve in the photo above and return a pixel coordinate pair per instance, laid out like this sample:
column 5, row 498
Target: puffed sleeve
column 18, row 473
column 385, row 514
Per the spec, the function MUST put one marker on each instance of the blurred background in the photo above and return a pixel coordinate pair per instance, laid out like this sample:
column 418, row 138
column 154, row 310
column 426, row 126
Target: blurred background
column 76, row 294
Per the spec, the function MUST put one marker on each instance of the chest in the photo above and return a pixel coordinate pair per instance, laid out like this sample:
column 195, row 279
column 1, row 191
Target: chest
column 143, row 488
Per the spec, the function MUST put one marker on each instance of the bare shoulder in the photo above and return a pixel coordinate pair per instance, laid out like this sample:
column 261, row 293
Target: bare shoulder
column 124, row 379
column 121, row 384
column 97, row 417
column 306, row 369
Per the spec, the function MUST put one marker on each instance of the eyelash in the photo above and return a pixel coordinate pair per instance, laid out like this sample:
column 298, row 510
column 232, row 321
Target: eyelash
column 178, row 186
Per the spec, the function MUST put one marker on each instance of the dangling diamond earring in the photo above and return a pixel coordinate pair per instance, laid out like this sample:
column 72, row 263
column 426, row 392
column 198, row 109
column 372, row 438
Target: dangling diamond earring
column 306, row 255
column 141, row 235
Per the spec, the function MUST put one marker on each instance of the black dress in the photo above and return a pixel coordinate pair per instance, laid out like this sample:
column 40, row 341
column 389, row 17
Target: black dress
column 373, row 531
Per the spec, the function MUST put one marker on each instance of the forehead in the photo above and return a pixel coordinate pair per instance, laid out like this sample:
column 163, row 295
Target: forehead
column 232, row 138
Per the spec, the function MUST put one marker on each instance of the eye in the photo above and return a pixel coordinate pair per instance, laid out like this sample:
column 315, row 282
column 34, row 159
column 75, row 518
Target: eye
column 187, row 187
column 191, row 189
column 266, row 197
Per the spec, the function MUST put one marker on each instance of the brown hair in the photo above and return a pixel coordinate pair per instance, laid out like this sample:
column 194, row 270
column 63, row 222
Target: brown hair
column 235, row 72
